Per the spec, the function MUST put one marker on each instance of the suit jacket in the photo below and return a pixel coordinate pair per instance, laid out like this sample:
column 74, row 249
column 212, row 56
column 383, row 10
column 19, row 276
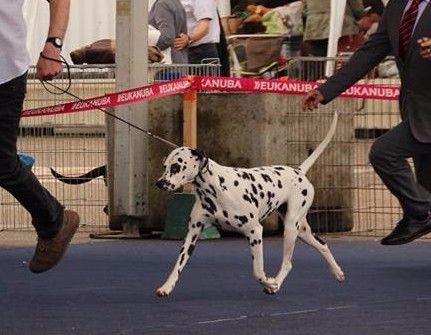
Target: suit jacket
column 318, row 13
column 415, row 72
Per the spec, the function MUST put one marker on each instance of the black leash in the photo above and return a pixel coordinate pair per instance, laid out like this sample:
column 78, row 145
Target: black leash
column 66, row 91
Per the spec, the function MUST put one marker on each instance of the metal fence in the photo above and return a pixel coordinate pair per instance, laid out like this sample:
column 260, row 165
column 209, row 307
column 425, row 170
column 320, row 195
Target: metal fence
column 75, row 143
column 351, row 193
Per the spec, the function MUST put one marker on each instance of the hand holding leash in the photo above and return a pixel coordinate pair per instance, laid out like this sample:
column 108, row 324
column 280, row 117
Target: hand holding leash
column 49, row 64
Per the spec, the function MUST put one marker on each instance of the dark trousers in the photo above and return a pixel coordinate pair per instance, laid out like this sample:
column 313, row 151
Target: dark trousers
column 389, row 155
column 15, row 177
column 201, row 52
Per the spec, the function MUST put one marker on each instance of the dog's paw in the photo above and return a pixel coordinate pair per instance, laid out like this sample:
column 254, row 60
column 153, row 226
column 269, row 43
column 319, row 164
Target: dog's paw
column 339, row 275
column 162, row 292
column 270, row 285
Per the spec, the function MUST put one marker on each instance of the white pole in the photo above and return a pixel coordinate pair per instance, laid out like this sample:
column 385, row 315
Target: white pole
column 128, row 148
column 338, row 8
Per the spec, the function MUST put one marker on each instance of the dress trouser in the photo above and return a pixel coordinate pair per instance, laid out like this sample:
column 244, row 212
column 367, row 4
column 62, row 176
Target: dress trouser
column 201, row 52
column 15, row 177
column 389, row 155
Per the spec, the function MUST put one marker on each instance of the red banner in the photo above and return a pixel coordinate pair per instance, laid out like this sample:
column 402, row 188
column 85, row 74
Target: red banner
column 221, row 84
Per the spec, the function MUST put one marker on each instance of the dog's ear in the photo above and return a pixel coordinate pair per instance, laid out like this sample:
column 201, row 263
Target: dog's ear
column 199, row 153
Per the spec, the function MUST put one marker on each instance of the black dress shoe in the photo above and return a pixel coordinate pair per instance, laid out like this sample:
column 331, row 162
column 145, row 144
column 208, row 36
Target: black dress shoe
column 407, row 230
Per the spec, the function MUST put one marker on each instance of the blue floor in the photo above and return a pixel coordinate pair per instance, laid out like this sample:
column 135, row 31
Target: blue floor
column 108, row 288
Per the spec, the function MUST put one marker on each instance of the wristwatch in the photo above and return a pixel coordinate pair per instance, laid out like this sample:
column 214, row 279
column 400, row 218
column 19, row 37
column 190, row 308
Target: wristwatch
column 56, row 41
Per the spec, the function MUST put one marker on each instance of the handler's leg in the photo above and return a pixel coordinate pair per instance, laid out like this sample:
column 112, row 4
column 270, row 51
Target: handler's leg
column 47, row 213
column 388, row 156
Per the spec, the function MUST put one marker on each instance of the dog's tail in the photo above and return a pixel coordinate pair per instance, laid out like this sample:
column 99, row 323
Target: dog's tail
column 85, row 178
column 306, row 165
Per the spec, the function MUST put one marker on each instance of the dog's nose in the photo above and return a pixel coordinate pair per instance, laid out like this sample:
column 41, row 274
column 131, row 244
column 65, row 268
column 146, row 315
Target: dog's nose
column 161, row 184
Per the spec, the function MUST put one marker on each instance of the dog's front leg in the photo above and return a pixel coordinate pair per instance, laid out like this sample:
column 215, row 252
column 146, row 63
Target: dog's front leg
column 254, row 237
column 196, row 225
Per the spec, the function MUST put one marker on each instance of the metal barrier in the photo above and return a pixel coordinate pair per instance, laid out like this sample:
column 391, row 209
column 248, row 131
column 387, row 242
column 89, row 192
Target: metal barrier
column 348, row 191
column 75, row 143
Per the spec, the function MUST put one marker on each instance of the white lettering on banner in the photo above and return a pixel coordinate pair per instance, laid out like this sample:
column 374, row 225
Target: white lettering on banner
column 175, row 86
column 135, row 95
column 47, row 110
column 373, row 92
column 221, row 83
column 91, row 103
column 277, row 86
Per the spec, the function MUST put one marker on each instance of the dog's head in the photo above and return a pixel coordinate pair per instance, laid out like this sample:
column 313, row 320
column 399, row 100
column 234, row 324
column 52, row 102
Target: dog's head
column 181, row 167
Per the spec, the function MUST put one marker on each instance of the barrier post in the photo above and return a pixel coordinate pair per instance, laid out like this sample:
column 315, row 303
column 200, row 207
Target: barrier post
column 181, row 204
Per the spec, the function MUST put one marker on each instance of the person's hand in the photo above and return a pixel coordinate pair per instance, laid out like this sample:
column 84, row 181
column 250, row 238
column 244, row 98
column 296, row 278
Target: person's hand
column 425, row 47
column 365, row 23
column 181, row 41
column 311, row 100
column 47, row 69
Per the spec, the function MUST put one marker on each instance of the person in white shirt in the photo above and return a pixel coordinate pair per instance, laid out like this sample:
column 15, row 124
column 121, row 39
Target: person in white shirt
column 203, row 31
column 54, row 225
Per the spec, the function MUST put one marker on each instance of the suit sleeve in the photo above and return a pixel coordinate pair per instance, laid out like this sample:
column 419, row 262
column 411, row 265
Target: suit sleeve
column 164, row 20
column 362, row 61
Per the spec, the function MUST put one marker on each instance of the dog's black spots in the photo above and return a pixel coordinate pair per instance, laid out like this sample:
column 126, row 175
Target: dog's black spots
column 262, row 195
column 197, row 184
column 304, row 228
column 296, row 171
column 246, row 176
column 210, row 172
column 259, row 241
column 303, row 203
column 255, row 242
column 191, row 248
column 248, row 238
column 207, row 215
column 300, row 180
column 236, row 183
column 251, row 215
column 254, row 200
column 193, row 226
column 209, row 205
column 266, row 178
column 242, row 218
column 304, row 192
column 270, row 195
column 180, row 160
column 246, row 198
column 225, row 214
column 259, row 186
column 279, row 184
column 182, row 259
column 252, row 231
column 221, row 181
column 322, row 242
column 252, row 257
column 279, row 168
column 277, row 173
column 228, row 223
column 254, row 189
column 282, row 209
column 184, row 167
column 214, row 193
column 198, row 224
column 194, row 237
column 297, row 226
column 182, row 249
column 175, row 168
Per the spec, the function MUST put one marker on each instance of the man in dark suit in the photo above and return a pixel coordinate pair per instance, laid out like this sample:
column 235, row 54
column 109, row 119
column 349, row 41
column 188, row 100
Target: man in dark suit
column 403, row 31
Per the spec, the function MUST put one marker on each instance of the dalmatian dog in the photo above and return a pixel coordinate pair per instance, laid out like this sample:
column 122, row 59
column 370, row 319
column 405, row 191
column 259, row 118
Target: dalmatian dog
column 239, row 199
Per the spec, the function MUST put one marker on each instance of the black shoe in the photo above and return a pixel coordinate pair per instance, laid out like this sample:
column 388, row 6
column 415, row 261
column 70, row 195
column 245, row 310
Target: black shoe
column 407, row 230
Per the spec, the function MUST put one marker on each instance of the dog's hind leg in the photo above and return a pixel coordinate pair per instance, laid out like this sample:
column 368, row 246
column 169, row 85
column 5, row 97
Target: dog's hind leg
column 306, row 235
column 196, row 225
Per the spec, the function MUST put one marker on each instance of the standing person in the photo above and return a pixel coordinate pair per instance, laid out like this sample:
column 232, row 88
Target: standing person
column 55, row 226
column 203, row 30
column 401, row 32
column 169, row 17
